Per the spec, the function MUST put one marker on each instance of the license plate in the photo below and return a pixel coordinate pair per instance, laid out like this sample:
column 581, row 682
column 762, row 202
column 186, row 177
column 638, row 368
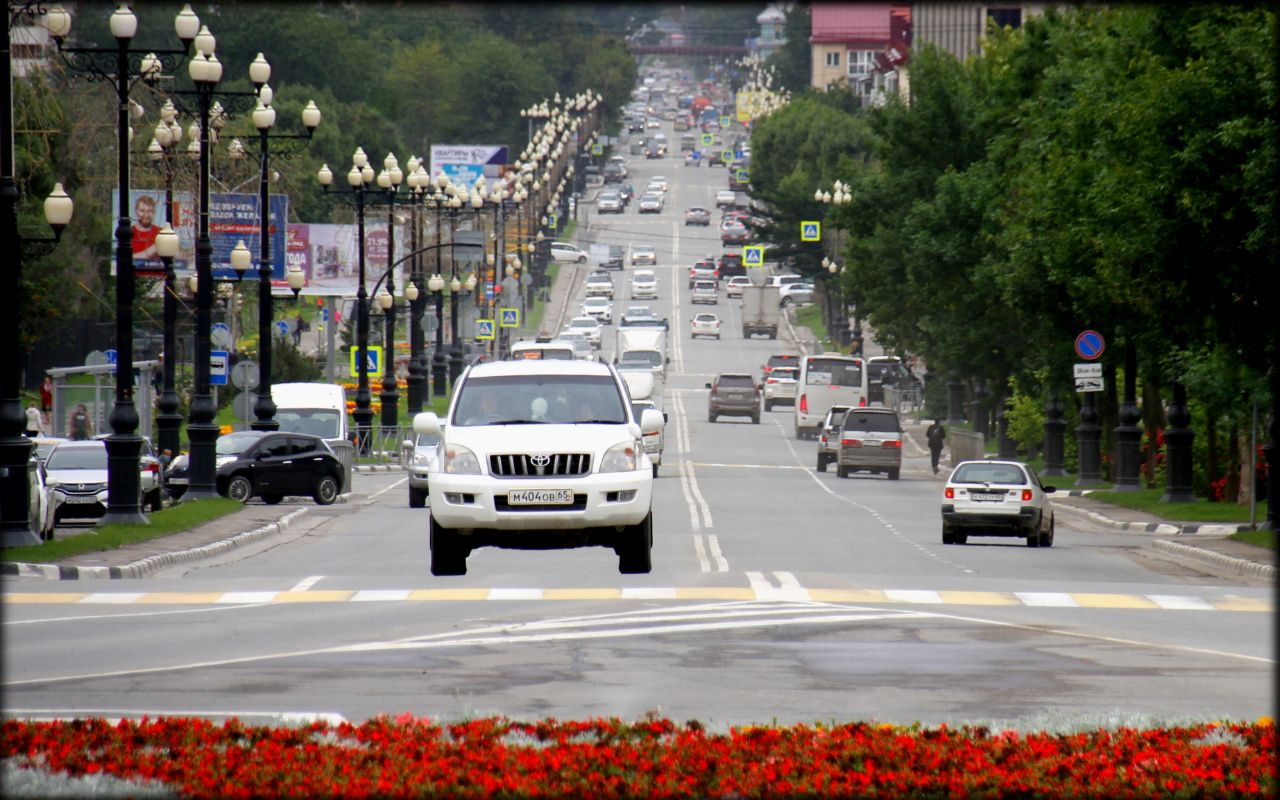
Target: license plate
column 540, row 497
column 178, row 481
column 80, row 500
column 987, row 497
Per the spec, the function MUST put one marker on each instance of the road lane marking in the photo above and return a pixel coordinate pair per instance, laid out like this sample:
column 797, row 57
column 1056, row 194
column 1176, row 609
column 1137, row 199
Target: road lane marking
column 760, row 588
column 888, row 526
column 1047, row 599
column 387, row 489
column 704, row 565
column 380, row 595
column 307, row 583
column 713, row 542
column 1179, row 603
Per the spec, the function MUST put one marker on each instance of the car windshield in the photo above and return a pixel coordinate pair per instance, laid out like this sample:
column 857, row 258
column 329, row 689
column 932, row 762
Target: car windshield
column 989, row 473
column 538, row 399
column 323, row 422
column 879, row 370
column 833, row 372
column 77, row 458
column 735, row 382
column 233, row 444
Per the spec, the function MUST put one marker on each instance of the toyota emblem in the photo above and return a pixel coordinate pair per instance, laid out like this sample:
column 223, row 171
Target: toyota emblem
column 540, row 461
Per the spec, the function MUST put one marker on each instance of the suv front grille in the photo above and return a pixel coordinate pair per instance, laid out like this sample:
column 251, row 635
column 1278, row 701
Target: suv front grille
column 556, row 465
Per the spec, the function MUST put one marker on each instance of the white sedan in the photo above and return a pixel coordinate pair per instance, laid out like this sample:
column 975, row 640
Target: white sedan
column 734, row 287
column 563, row 251
column 643, row 254
column 704, row 324
column 598, row 307
column 589, row 326
column 661, row 181
column 996, row 498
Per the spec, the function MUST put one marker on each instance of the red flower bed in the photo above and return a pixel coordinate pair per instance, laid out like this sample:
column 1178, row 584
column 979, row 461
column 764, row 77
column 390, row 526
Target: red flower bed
column 408, row 757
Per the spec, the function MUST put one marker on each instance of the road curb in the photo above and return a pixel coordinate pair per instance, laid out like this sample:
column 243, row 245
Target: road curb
column 143, row 567
column 1158, row 528
column 378, row 468
column 1242, row 566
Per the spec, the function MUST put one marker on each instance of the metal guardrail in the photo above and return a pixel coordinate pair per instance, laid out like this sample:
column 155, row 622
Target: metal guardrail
column 909, row 399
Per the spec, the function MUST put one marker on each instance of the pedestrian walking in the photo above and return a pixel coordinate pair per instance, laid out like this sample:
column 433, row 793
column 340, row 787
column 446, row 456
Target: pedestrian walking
column 936, row 436
column 81, row 425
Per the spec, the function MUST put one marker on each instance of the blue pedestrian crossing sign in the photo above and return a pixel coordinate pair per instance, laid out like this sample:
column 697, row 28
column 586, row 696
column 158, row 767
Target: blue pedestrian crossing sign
column 743, row 175
column 753, row 255
column 597, row 149
column 484, row 329
column 810, row 231
column 726, row 156
column 509, row 317
column 708, row 139
column 554, row 220
column 725, row 121
column 373, row 361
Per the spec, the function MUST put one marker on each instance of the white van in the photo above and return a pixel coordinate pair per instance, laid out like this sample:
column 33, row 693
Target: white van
column 319, row 409
column 825, row 380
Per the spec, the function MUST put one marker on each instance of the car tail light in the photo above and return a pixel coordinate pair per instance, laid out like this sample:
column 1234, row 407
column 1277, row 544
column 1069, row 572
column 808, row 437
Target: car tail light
column 822, row 439
column 152, row 468
column 949, row 493
column 1026, row 495
column 851, row 442
column 772, row 380
column 892, row 444
column 862, row 402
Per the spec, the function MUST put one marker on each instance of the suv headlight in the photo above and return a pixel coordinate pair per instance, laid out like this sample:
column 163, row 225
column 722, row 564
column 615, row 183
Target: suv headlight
column 624, row 457
column 458, row 460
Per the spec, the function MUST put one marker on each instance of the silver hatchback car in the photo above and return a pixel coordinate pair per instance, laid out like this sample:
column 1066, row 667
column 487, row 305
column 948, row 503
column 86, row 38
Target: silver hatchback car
column 829, row 436
column 870, row 440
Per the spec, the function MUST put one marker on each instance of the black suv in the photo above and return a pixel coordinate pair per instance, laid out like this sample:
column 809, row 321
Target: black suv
column 275, row 465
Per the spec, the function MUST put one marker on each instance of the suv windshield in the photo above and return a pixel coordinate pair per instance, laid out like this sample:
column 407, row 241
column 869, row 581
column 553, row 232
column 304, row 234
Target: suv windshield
column 735, row 382
column 533, row 399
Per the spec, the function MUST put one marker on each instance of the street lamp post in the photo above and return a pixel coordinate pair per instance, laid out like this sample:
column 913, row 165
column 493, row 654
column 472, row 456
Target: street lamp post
column 359, row 179
column 15, row 449
column 279, row 145
column 439, row 369
column 389, row 180
column 206, row 71
column 162, row 154
column 122, row 66
column 419, row 182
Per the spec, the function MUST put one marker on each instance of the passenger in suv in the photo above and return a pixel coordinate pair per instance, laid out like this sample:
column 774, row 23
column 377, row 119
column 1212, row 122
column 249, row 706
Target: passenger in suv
column 870, row 439
column 734, row 394
column 538, row 454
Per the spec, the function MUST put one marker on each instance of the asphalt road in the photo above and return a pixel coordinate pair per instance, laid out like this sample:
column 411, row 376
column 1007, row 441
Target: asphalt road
column 777, row 593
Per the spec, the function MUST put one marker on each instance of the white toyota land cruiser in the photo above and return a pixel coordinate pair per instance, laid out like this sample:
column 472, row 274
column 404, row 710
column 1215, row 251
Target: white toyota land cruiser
column 540, row 454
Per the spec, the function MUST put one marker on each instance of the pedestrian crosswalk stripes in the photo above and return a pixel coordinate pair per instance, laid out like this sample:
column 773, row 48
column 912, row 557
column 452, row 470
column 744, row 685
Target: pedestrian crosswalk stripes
column 759, row 591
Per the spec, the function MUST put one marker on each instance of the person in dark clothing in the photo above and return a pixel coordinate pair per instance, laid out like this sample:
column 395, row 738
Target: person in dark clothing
column 81, row 425
column 936, row 436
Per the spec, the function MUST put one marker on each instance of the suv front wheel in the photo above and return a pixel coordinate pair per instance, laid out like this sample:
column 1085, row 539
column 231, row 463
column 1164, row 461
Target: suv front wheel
column 635, row 548
column 448, row 552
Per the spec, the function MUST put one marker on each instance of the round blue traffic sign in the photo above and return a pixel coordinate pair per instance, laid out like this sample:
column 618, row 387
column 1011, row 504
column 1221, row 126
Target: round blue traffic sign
column 1089, row 345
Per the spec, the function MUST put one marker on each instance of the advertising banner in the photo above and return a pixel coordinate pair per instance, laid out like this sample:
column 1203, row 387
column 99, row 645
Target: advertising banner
column 329, row 256
column 232, row 218
column 148, row 215
column 464, row 163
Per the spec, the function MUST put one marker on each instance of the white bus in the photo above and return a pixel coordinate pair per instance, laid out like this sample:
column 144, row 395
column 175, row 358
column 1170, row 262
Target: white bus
column 825, row 380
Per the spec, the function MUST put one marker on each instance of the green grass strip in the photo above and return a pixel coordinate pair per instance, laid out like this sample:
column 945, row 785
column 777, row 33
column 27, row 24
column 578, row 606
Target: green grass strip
column 179, row 518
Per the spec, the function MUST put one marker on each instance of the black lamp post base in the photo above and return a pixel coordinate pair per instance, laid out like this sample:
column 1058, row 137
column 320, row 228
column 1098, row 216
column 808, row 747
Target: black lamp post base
column 15, row 452
column 203, row 437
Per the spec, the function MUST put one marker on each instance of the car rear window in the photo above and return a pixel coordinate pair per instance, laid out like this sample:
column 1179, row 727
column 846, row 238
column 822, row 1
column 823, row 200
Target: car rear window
column 833, row 372
column 736, row 382
column 782, row 361
column 989, row 473
column 784, row 372
column 875, row 423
